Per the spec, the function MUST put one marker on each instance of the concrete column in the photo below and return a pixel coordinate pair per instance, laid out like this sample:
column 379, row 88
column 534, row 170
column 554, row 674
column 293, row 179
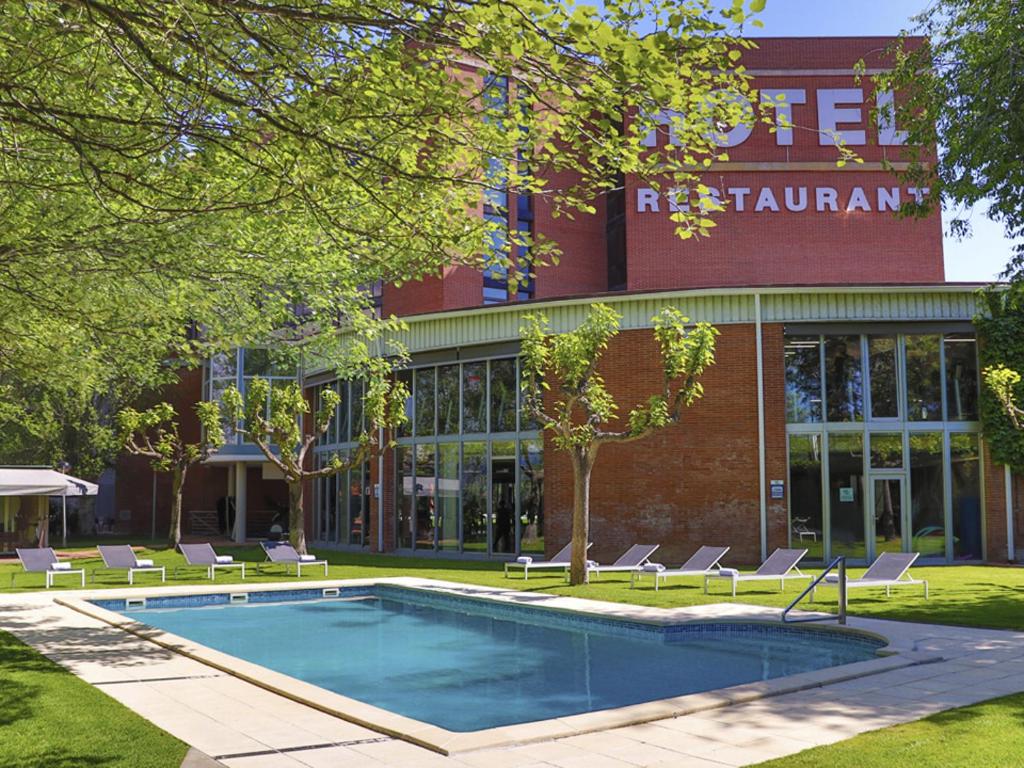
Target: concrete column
column 240, row 488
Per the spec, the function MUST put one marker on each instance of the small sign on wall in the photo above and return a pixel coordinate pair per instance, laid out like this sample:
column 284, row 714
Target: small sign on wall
column 777, row 489
column 846, row 494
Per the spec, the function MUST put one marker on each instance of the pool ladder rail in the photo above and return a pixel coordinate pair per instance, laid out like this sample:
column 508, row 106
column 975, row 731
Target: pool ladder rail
column 837, row 563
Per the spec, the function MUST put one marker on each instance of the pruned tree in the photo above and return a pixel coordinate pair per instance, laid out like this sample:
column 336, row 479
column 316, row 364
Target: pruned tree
column 155, row 434
column 580, row 407
column 1004, row 383
column 274, row 419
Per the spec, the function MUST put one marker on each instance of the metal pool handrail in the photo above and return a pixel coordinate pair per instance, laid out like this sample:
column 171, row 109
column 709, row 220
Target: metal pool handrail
column 841, row 563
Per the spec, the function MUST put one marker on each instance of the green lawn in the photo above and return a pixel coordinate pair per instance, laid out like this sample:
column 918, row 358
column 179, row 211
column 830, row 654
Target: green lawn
column 51, row 719
column 977, row 596
column 986, row 734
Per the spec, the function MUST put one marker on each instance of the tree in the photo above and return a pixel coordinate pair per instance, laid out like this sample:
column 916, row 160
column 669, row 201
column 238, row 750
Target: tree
column 273, row 419
column 154, row 433
column 1005, row 384
column 214, row 165
column 578, row 412
column 964, row 91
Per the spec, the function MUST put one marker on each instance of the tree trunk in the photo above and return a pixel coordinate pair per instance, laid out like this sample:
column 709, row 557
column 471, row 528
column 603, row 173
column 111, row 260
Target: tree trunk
column 582, row 464
column 296, row 522
column 177, row 487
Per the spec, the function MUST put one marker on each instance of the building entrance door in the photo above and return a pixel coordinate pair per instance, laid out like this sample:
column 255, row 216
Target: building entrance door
column 887, row 514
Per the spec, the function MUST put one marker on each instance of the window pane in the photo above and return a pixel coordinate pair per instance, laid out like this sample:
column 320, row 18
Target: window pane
column 503, row 395
column 526, row 421
column 224, row 365
column 474, row 497
column 256, row 362
column 803, row 379
column 927, row 515
column 356, row 509
column 961, row 377
column 405, row 496
column 474, row 397
column 805, row 494
column 356, row 425
column 846, row 494
column 448, row 496
column 425, row 401
column 341, row 420
column 882, row 372
column 503, row 497
column 924, row 385
column 965, row 467
column 448, row 400
column 886, row 451
column 531, row 496
column 406, row 429
column 366, row 511
column 843, row 378
column 426, row 513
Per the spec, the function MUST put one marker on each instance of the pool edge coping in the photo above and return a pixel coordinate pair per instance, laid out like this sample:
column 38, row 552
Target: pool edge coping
column 447, row 742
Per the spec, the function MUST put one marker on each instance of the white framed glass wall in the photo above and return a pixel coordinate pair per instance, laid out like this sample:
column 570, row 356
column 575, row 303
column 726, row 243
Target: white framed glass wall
column 469, row 468
column 239, row 367
column 883, row 444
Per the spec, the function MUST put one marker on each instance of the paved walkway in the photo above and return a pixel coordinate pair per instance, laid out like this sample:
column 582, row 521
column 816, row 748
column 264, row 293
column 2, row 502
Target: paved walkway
column 244, row 726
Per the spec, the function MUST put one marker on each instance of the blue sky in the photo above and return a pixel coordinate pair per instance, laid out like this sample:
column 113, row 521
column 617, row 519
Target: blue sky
column 978, row 258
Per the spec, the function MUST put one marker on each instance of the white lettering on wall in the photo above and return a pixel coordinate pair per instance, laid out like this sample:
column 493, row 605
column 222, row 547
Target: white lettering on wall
column 766, row 200
column 646, row 200
column 919, row 194
column 799, row 204
column 740, row 196
column 784, row 111
column 858, row 201
column 679, row 200
column 888, row 136
column 665, row 117
column 732, row 137
column 888, row 199
column 831, row 116
column 826, row 196
column 795, row 199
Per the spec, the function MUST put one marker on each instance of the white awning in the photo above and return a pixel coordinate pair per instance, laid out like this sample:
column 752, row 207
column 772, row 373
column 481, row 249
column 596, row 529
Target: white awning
column 33, row 481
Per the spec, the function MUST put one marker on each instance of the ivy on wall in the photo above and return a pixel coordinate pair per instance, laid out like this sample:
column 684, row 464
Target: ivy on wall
column 1001, row 342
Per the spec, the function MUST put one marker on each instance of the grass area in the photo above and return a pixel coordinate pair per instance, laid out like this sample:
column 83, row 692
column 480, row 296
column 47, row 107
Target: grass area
column 976, row 596
column 48, row 717
column 990, row 733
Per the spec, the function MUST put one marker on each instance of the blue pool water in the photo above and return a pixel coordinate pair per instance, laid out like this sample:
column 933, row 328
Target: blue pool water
column 465, row 664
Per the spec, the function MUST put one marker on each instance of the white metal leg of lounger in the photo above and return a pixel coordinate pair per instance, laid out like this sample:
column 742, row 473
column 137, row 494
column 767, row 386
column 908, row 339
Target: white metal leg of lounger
column 298, row 566
column 131, row 573
column 51, row 574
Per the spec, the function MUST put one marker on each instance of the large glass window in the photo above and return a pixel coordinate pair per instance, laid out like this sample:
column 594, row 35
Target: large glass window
column 965, row 467
column 927, row 507
column 503, row 496
column 924, row 379
column 426, row 510
column 405, row 377
column 474, row 397
column 805, row 510
column 503, row 395
column 882, row 372
column 803, row 379
column 961, row 377
column 531, row 496
column 448, row 400
column 424, row 401
column 406, row 495
column 846, row 493
column 886, row 450
column 844, row 378
column 474, row 497
column 448, row 496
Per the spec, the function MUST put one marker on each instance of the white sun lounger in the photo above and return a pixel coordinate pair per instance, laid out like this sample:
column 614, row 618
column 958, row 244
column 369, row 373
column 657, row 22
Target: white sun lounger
column 887, row 571
column 204, row 556
column 779, row 566
column 703, row 562
column 282, row 553
column 561, row 559
column 44, row 560
column 121, row 557
column 630, row 560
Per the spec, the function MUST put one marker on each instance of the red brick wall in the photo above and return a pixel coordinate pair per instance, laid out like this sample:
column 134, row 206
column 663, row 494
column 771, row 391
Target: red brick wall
column 995, row 508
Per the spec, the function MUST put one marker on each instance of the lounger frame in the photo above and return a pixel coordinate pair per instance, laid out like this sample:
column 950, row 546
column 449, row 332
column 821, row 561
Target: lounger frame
column 297, row 563
column 669, row 573
column 132, row 569
column 211, row 568
column 49, row 572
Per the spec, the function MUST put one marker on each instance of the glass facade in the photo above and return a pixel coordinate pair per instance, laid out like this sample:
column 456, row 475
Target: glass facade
column 238, row 368
column 883, row 444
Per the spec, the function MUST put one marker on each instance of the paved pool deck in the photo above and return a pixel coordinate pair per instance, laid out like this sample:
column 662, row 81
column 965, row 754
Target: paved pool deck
column 241, row 725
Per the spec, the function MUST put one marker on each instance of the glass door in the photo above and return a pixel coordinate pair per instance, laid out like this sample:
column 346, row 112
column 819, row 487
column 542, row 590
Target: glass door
column 889, row 514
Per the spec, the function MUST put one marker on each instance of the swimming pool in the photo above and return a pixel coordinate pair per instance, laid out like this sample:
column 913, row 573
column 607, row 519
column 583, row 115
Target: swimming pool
column 466, row 664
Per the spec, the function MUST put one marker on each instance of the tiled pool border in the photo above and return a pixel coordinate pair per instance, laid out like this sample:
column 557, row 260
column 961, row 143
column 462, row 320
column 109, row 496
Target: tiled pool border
column 449, row 742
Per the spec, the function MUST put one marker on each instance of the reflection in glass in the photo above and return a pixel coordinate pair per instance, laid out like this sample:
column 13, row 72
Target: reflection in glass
column 843, row 378
column 448, row 496
column 846, row 494
column 448, row 400
column 356, row 407
column 924, row 379
column 341, row 419
column 965, row 467
column 366, row 511
column 424, row 401
column 503, row 395
column 405, row 492
column 888, row 514
column 803, row 379
column 805, row 495
column 886, row 450
column 882, row 375
column 531, row 496
column 426, row 512
column 474, row 497
column 503, row 496
column 331, row 511
column 961, row 376
column 474, row 397
column 927, row 515
column 406, row 429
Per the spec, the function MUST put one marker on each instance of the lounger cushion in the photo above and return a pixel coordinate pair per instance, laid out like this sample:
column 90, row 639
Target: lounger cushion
column 60, row 566
column 654, row 568
column 147, row 563
column 307, row 558
column 728, row 572
column 225, row 559
column 593, row 564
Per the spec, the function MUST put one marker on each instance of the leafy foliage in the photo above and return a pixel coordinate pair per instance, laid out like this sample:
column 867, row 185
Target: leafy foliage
column 1001, row 354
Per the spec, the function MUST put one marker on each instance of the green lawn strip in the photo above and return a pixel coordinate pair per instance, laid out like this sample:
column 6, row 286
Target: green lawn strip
column 965, row 595
column 48, row 717
column 990, row 733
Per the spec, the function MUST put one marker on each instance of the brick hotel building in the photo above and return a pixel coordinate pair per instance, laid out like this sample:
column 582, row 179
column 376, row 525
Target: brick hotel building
column 841, row 415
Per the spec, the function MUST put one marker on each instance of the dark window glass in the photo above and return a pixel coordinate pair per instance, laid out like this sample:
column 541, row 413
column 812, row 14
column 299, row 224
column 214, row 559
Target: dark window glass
column 531, row 496
column 886, row 450
column 846, row 493
column 803, row 379
column 927, row 516
column 924, row 379
column 406, row 429
column 356, row 397
column 424, row 401
column 965, row 466
column 503, row 497
column 448, row 400
column 503, row 395
column 257, row 362
column 405, row 495
column 805, row 512
column 448, row 496
column 843, row 378
column 474, row 497
column 341, row 420
column 426, row 510
column 882, row 370
column 961, row 377
column 474, row 397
